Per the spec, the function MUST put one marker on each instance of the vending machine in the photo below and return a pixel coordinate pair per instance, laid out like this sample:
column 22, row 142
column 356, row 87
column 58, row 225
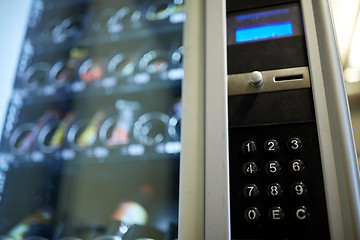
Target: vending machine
column 90, row 145
column 92, row 148
column 284, row 165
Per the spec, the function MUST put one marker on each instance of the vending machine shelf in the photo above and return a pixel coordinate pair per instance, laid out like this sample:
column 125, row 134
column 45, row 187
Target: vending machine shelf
column 90, row 148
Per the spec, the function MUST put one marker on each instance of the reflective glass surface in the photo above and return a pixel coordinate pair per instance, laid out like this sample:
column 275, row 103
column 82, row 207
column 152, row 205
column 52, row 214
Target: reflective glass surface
column 91, row 141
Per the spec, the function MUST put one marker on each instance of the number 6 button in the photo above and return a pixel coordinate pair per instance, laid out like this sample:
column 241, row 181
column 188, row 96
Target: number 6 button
column 297, row 166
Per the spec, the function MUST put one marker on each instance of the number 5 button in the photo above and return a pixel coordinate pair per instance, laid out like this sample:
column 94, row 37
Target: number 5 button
column 273, row 168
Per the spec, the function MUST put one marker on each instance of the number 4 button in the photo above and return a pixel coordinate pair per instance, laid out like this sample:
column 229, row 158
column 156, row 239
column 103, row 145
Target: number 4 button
column 250, row 169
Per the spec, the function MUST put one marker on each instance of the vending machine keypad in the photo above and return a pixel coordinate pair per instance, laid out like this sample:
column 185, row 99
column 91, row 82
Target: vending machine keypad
column 276, row 182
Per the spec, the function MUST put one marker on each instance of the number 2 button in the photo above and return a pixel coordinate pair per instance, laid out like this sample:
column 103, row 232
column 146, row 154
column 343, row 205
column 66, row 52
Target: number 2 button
column 271, row 146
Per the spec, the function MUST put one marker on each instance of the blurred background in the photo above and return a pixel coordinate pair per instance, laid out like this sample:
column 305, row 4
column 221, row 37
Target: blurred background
column 347, row 26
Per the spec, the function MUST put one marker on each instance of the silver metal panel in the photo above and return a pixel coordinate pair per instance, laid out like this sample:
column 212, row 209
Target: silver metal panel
column 217, row 210
column 191, row 208
column 338, row 154
column 239, row 83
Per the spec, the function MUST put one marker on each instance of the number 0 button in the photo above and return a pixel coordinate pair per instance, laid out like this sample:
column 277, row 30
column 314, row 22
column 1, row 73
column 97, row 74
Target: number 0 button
column 271, row 146
column 252, row 214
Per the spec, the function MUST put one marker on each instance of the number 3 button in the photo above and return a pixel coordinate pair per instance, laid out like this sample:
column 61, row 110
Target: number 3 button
column 294, row 144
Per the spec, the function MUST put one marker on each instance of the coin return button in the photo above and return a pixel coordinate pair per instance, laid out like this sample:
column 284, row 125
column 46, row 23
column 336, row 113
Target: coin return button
column 256, row 79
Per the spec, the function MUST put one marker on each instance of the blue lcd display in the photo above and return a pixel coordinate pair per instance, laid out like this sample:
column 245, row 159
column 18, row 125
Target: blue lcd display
column 263, row 32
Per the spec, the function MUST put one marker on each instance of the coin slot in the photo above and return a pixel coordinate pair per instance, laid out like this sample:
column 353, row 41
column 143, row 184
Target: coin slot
column 289, row 78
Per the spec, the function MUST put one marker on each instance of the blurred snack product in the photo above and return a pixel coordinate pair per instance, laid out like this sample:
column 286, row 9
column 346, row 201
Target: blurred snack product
column 174, row 125
column 160, row 10
column 35, row 76
column 155, row 61
column 121, row 65
column 116, row 131
column 64, row 70
column 52, row 135
column 177, row 57
column 60, row 30
column 83, row 133
column 92, row 69
column 150, row 128
column 23, row 137
column 30, row 223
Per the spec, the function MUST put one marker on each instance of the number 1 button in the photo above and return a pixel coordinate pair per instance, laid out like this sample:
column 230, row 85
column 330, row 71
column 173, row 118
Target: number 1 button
column 248, row 147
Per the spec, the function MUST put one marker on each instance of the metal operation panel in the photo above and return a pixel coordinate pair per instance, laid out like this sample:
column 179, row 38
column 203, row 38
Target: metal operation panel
column 276, row 175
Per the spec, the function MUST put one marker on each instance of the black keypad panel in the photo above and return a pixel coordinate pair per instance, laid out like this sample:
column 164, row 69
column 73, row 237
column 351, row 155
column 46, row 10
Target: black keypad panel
column 276, row 183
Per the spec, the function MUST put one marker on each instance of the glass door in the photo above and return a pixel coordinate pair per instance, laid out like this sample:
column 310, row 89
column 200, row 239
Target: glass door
column 91, row 142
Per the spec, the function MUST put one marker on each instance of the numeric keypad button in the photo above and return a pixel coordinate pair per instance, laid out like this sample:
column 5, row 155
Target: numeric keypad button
column 297, row 166
column 274, row 190
column 276, row 214
column 251, row 191
column 248, row 147
column 273, row 168
column 250, row 169
column 271, row 146
column 252, row 214
column 294, row 144
column 299, row 189
column 302, row 213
